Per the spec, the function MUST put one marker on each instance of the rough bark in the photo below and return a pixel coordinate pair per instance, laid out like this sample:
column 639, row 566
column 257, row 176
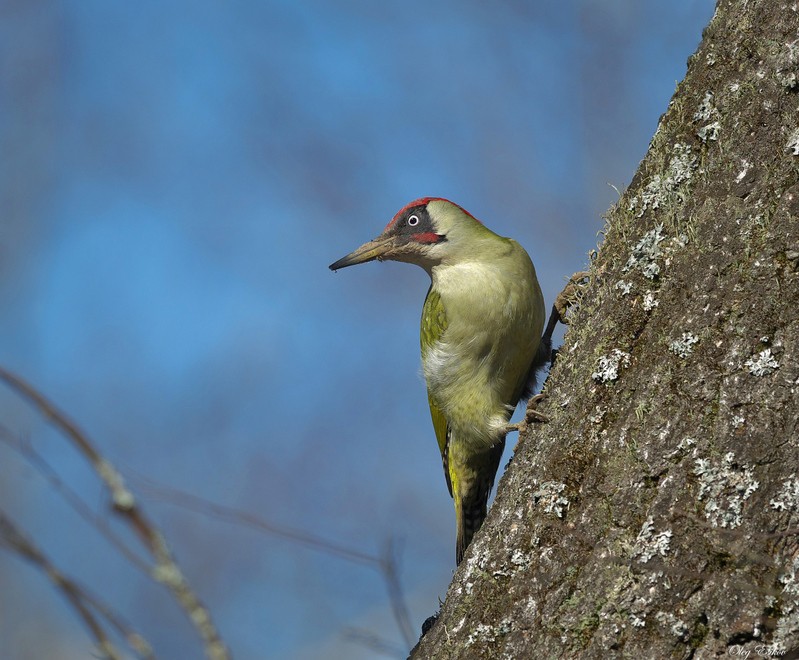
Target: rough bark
column 657, row 513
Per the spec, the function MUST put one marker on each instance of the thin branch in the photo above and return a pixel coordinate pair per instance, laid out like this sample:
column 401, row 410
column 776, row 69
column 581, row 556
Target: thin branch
column 26, row 450
column 166, row 569
column 82, row 602
column 387, row 564
column 395, row 594
column 135, row 640
column 211, row 509
column 371, row 641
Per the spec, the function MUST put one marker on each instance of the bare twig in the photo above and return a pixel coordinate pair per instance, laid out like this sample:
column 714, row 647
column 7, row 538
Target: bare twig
column 82, row 602
column 387, row 564
column 396, row 597
column 166, row 569
column 206, row 507
column 135, row 640
column 371, row 641
column 26, row 450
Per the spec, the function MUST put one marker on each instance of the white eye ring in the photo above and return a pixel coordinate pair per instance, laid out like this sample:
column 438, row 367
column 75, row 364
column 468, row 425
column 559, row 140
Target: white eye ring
column 413, row 220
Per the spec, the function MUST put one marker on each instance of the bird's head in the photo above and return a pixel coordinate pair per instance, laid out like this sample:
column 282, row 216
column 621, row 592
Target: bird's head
column 425, row 232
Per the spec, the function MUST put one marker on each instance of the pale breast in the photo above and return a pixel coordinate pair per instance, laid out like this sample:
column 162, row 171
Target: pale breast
column 475, row 369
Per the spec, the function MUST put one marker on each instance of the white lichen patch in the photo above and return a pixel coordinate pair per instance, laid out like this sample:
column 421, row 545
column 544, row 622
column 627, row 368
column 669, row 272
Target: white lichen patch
column 477, row 561
column 709, row 132
column 786, row 66
column 684, row 445
column 624, row 287
column 708, row 116
column 793, row 142
column 648, row 544
column 550, row 498
column 637, row 621
column 745, row 167
column 505, row 626
column 724, row 489
column 649, row 301
column 738, row 421
column 456, row 628
column 607, row 369
column 706, row 110
column 481, row 633
column 598, row 415
column 762, row 364
column 657, row 578
column 664, row 187
column 788, row 497
column 520, row 559
column 488, row 634
column 645, row 253
column 684, row 346
column 788, row 624
column 675, row 625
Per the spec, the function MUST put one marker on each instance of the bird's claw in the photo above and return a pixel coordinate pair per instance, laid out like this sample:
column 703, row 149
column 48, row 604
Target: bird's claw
column 531, row 415
column 570, row 295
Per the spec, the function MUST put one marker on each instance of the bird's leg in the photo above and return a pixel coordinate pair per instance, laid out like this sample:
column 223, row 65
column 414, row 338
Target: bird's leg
column 571, row 294
column 565, row 299
column 531, row 415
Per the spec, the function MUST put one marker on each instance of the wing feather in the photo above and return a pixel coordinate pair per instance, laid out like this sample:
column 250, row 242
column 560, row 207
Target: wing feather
column 434, row 323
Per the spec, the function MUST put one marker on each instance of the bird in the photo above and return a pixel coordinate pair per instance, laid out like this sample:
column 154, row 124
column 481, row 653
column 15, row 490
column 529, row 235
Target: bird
column 481, row 339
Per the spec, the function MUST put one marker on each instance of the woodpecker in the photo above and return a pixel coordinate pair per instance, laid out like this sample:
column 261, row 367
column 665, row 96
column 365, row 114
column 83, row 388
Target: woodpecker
column 481, row 339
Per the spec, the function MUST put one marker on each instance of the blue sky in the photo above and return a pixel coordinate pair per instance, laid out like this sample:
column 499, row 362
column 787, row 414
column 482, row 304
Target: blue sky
column 176, row 178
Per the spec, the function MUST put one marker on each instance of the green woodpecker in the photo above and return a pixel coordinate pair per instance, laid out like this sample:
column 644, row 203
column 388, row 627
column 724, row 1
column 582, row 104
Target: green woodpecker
column 481, row 339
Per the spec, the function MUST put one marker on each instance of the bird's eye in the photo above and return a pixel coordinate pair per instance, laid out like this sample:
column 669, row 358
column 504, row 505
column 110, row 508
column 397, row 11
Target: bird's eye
column 413, row 220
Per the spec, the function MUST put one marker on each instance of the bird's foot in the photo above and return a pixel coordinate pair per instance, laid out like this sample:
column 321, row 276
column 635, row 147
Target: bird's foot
column 531, row 415
column 568, row 298
column 570, row 295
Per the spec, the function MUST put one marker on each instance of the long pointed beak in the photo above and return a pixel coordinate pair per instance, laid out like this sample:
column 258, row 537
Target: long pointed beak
column 367, row 252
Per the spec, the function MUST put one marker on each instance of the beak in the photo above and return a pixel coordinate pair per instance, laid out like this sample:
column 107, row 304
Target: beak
column 370, row 251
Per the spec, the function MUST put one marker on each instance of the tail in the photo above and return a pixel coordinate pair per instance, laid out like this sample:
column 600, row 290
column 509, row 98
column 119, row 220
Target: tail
column 469, row 516
column 471, row 489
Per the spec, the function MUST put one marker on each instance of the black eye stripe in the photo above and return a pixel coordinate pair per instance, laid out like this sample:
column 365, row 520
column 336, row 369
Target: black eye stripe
column 412, row 223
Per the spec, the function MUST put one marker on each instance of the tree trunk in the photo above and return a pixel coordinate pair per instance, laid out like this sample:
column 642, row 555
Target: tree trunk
column 657, row 513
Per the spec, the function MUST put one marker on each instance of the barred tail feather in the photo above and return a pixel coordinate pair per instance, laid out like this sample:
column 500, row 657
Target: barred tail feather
column 470, row 516
column 471, row 490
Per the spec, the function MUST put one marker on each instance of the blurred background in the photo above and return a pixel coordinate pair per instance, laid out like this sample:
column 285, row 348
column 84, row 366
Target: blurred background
column 175, row 178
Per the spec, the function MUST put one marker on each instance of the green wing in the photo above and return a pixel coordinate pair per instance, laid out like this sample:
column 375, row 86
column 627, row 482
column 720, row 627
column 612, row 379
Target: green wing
column 434, row 323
